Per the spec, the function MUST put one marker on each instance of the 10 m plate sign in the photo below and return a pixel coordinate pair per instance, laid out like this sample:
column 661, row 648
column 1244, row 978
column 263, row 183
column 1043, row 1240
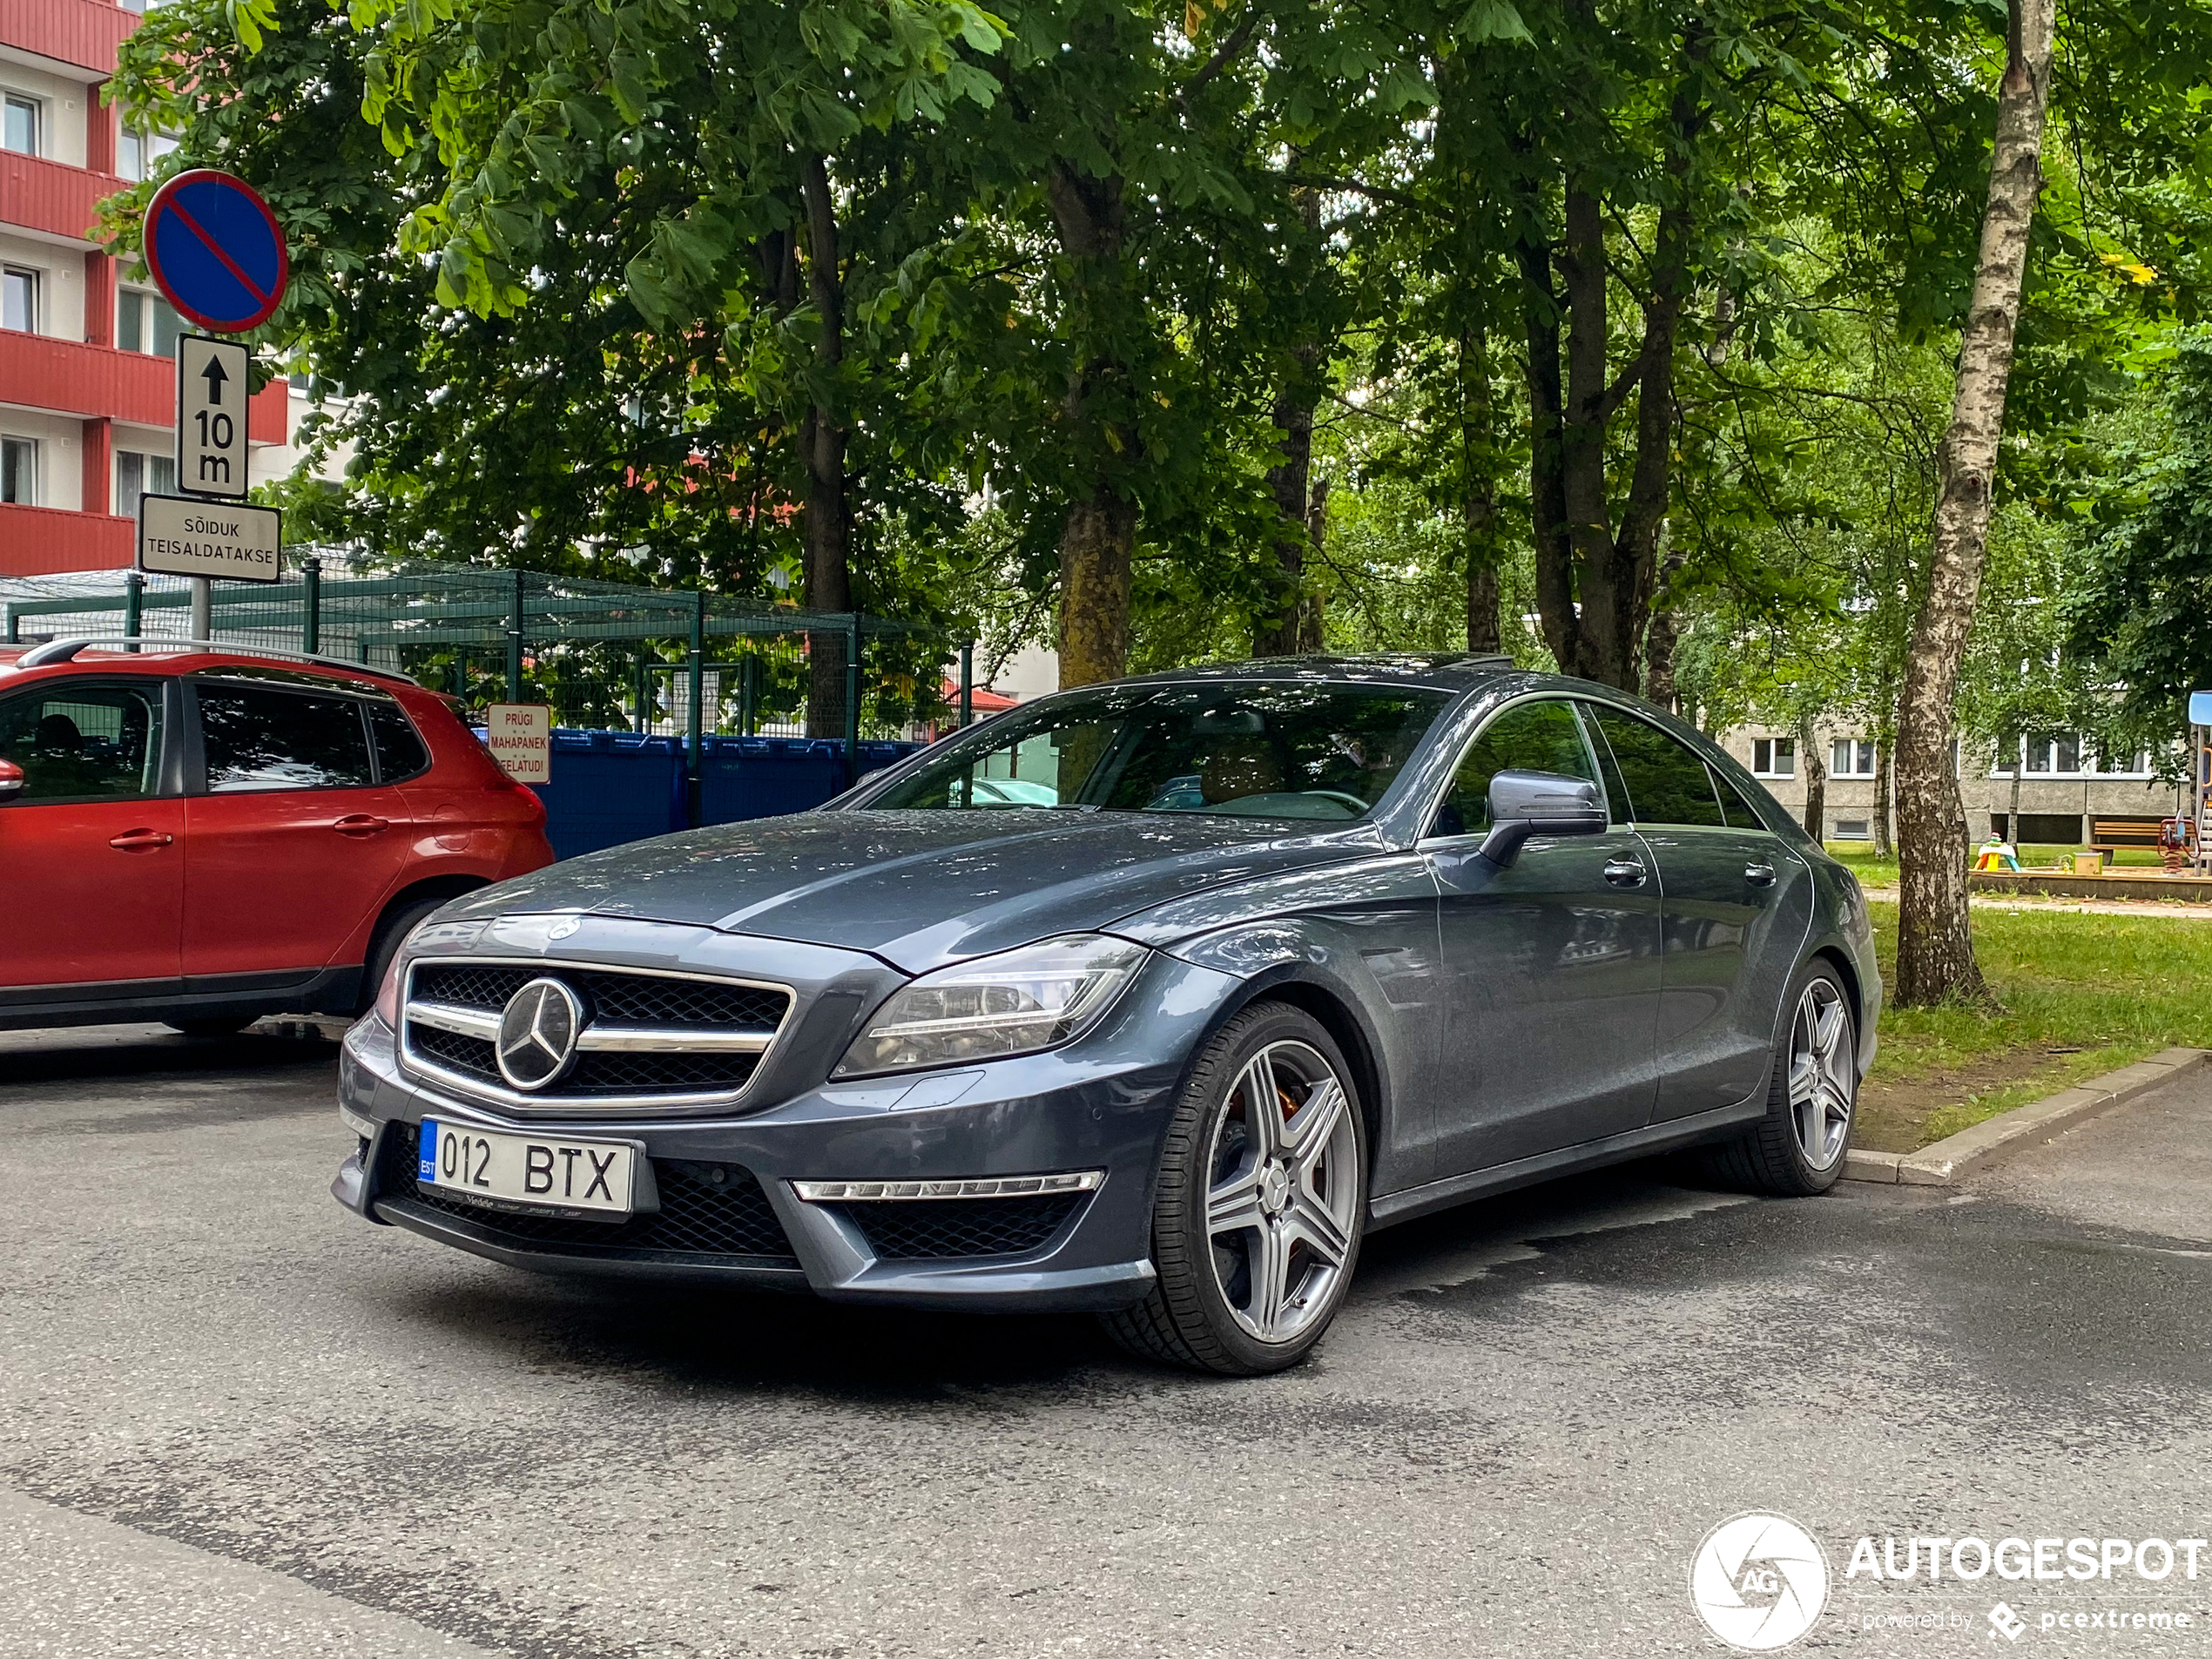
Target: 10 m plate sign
column 211, row 416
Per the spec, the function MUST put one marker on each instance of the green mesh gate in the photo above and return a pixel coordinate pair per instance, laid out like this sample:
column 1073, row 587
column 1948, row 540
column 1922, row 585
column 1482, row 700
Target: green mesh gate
column 605, row 655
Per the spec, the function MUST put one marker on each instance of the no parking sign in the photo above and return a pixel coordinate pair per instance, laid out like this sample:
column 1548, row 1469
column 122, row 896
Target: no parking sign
column 215, row 249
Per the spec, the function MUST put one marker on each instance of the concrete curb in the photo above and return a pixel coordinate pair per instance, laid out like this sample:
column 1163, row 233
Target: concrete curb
column 1943, row 1164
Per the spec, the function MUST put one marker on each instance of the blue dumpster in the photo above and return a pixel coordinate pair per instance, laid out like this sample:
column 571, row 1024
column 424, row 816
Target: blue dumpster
column 742, row 778
column 612, row 787
column 609, row 787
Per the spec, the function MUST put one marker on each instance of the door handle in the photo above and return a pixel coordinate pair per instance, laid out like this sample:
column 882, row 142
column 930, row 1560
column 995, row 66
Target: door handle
column 139, row 840
column 358, row 825
column 1759, row 875
column 1624, row 872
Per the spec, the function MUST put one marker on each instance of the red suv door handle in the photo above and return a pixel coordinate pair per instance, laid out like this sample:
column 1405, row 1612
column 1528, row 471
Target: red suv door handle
column 139, row 840
column 360, row 824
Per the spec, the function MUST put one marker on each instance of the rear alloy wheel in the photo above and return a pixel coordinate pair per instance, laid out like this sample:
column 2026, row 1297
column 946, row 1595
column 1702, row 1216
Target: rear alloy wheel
column 1798, row 1148
column 1263, row 1193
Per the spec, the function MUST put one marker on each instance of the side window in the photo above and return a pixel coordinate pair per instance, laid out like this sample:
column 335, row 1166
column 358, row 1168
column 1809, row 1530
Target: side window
column 400, row 754
column 1528, row 737
column 84, row 742
column 256, row 739
column 1667, row 782
column 1734, row 806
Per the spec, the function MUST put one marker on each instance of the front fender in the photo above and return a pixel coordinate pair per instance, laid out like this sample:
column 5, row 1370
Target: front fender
column 1374, row 995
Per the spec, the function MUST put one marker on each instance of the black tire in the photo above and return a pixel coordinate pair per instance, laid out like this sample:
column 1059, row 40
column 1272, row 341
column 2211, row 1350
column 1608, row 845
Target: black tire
column 1317, row 1183
column 209, row 1030
column 391, row 933
column 1772, row 1156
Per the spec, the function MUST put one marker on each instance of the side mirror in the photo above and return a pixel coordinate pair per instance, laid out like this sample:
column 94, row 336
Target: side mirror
column 11, row 781
column 1523, row 804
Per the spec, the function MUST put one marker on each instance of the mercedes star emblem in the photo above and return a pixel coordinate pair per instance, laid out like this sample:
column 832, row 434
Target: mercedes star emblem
column 538, row 1034
column 564, row 928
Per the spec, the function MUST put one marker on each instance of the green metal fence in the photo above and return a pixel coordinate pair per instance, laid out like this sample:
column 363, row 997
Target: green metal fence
column 603, row 654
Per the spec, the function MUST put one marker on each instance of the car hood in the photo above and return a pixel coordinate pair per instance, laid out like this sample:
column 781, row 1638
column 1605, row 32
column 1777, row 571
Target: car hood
column 922, row 888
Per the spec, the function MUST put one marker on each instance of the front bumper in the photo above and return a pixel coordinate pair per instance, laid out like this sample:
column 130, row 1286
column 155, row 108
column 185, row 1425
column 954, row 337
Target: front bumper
column 1102, row 1105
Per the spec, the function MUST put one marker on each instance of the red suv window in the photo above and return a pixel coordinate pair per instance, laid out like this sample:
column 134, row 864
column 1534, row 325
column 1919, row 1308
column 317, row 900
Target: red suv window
column 400, row 754
column 256, row 737
column 80, row 742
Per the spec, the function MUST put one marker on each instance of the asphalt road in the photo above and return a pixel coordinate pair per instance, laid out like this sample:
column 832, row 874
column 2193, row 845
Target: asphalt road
column 235, row 1421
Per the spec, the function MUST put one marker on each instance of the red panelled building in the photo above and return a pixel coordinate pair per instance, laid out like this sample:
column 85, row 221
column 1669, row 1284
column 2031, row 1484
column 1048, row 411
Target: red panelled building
column 87, row 383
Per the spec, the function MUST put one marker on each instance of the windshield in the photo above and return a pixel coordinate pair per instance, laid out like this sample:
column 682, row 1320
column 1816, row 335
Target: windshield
column 1324, row 751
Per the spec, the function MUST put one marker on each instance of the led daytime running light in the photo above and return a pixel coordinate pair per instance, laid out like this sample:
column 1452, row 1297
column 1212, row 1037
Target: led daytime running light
column 1000, row 1186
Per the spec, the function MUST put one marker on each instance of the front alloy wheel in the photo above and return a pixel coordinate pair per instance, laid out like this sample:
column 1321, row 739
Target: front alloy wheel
column 1281, row 1202
column 1262, row 1196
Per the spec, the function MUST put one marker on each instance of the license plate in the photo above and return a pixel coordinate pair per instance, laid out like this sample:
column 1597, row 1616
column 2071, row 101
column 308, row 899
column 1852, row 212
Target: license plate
column 504, row 1170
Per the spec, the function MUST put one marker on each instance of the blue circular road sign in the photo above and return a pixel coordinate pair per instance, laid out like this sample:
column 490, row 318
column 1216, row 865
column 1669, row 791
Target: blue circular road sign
column 214, row 248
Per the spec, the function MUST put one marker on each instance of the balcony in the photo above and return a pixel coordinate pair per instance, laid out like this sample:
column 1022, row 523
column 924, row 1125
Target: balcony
column 42, row 195
column 40, row 372
column 84, row 33
column 42, row 540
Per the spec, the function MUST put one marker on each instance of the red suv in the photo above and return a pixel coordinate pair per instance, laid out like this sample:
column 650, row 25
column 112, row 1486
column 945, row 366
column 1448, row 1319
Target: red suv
column 202, row 836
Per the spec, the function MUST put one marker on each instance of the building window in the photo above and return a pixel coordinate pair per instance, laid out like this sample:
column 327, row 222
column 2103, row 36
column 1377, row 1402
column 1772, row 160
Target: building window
column 1851, row 757
column 19, row 471
column 2065, row 754
column 18, row 298
column 145, row 322
column 1774, row 757
column 138, row 475
column 1853, row 829
column 136, row 152
column 19, row 124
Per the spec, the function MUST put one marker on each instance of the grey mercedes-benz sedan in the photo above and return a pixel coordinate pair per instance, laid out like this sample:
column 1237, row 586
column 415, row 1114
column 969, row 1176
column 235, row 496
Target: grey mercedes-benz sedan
column 1147, row 998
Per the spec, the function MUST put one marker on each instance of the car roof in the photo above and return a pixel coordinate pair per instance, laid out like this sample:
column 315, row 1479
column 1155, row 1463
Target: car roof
column 1444, row 670
column 153, row 657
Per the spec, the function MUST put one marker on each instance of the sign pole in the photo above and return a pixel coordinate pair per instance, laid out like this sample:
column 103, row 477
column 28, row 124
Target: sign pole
column 202, row 608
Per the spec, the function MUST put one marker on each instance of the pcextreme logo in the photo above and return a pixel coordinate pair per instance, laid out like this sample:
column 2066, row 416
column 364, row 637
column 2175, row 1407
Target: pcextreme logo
column 1758, row 1581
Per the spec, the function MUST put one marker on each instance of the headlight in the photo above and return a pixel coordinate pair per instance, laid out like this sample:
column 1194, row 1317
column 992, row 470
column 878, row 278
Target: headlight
column 1016, row 1002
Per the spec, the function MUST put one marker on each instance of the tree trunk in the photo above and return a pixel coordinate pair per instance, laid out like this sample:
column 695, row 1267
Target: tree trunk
column 1099, row 534
column 1935, row 957
column 1815, row 820
column 1278, row 636
column 1312, row 624
column 1484, row 632
column 829, row 525
column 2013, row 810
column 1884, row 765
column 1661, row 638
column 1478, row 478
column 1593, row 583
column 1094, row 548
column 1547, row 475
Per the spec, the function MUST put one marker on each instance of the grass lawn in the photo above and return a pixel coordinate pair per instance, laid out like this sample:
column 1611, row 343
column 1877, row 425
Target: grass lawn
column 1882, row 873
column 2082, row 995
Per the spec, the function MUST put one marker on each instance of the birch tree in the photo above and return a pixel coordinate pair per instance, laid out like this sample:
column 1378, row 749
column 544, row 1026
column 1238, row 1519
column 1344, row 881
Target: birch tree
column 1935, row 959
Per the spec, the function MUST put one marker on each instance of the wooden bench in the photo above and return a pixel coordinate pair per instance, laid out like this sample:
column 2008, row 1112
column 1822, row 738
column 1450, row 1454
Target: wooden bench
column 2108, row 835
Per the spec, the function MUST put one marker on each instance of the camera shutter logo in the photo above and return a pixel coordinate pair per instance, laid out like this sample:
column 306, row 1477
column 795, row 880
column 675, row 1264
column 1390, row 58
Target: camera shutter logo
column 1758, row 1581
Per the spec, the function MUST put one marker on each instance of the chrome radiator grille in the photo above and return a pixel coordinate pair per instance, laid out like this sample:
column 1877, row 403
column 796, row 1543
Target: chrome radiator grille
column 645, row 1039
